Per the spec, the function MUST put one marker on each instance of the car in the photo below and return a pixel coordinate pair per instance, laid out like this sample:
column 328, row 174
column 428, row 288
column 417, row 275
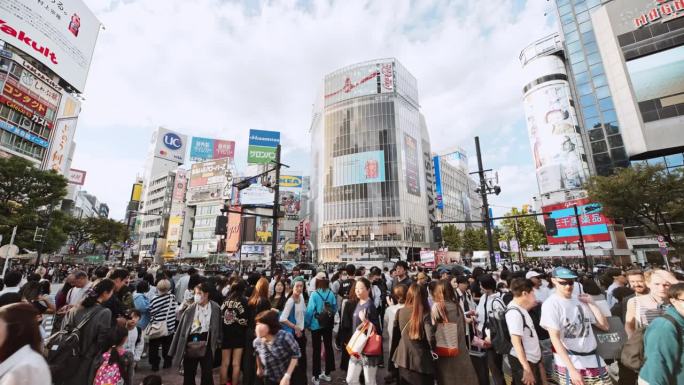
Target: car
column 450, row 267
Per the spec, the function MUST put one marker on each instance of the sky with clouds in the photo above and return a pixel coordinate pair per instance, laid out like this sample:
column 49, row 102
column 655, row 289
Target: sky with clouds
column 217, row 68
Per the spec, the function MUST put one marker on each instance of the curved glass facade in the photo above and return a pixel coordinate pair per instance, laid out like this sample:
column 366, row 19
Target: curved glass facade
column 370, row 195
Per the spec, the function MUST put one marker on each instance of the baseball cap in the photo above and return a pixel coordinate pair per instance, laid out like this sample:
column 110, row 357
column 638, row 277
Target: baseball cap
column 564, row 272
column 532, row 274
column 321, row 275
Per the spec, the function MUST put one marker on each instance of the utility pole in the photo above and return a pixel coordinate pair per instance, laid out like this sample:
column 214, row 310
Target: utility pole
column 485, row 204
column 42, row 241
column 7, row 257
column 581, row 238
column 276, row 210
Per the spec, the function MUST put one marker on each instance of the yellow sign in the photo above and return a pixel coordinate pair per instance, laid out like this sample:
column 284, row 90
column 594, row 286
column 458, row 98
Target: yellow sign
column 290, row 181
column 136, row 194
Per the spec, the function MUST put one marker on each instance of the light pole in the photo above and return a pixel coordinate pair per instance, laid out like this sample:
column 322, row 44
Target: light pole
column 484, row 190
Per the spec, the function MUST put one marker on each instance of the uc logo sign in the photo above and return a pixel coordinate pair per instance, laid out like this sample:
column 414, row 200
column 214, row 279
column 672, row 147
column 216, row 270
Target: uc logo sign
column 173, row 141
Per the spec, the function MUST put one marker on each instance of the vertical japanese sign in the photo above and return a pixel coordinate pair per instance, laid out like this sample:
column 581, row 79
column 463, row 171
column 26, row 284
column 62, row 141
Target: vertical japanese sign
column 234, row 225
column 411, row 164
column 58, row 154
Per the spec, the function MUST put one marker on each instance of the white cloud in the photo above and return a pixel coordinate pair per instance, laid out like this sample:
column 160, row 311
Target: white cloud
column 219, row 68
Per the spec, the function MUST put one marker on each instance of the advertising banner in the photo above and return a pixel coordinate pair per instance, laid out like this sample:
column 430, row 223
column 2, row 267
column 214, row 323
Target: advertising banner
column 233, row 238
column 429, row 181
column 262, row 146
column 427, row 257
column 59, row 34
column 557, row 148
column 438, row 183
column 136, row 192
column 76, row 177
column 359, row 168
column 62, row 139
column 33, row 138
column 210, row 180
column 170, row 145
column 411, row 165
column 39, row 88
column 23, row 98
column 264, row 229
column 180, row 186
column 291, row 181
column 173, row 236
column 256, row 195
column 252, row 249
column 290, row 195
column 206, row 149
column 362, row 80
column 594, row 224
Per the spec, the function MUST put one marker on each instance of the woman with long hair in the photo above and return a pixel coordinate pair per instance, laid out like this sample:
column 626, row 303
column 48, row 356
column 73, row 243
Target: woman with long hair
column 321, row 327
column 234, row 311
column 116, row 363
column 94, row 334
column 21, row 361
column 445, row 308
column 345, row 329
column 413, row 354
column 278, row 297
column 257, row 303
column 363, row 312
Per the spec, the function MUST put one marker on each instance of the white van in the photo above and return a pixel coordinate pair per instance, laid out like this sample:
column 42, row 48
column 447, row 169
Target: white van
column 480, row 259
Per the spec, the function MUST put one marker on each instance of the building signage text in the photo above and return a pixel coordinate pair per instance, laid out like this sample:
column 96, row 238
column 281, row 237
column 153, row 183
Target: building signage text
column 664, row 10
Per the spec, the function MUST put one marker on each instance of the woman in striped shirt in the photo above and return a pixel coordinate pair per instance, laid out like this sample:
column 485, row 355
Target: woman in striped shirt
column 162, row 309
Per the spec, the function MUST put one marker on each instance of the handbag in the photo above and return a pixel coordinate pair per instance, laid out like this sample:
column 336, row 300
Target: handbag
column 609, row 343
column 478, row 345
column 196, row 349
column 373, row 343
column 158, row 329
column 446, row 336
column 358, row 341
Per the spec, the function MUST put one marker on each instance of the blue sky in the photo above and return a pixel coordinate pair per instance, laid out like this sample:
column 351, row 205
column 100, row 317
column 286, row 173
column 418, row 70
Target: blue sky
column 218, row 68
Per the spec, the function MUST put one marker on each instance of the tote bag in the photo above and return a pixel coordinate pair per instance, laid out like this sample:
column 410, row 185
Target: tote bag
column 373, row 343
column 358, row 341
column 446, row 336
column 609, row 343
column 158, row 329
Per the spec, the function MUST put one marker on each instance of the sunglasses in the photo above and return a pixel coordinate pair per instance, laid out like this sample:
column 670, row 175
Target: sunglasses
column 566, row 283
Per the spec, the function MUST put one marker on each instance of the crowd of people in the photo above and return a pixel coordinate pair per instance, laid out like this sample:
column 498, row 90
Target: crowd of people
column 533, row 326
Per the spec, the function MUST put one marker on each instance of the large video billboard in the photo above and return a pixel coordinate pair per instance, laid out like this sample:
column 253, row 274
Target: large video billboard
column 592, row 221
column 359, row 168
column 170, row 145
column 262, row 146
column 368, row 79
column 411, row 165
column 290, row 195
column 59, row 34
column 557, row 148
column 210, row 180
column 207, row 149
column 659, row 76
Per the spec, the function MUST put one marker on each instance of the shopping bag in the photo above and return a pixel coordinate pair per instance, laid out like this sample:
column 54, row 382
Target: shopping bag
column 446, row 336
column 358, row 341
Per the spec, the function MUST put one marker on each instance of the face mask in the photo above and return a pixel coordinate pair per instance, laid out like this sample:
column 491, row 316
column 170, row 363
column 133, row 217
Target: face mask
column 198, row 298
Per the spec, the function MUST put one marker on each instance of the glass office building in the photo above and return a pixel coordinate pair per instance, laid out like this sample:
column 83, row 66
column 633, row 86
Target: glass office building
column 594, row 106
column 372, row 182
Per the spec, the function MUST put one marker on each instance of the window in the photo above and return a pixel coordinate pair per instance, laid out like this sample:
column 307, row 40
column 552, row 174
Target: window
column 584, row 89
column 585, row 27
column 582, row 77
column 565, row 9
column 582, row 16
column 574, row 47
column 602, row 92
column 596, row 69
column 591, row 48
column 599, row 80
column 572, row 37
column 675, row 160
column 596, row 134
column 590, row 123
column 611, row 128
column 615, row 141
column 599, row 146
column 576, row 57
column 609, row 116
column 579, row 67
column 590, row 111
column 618, row 154
column 587, row 100
column 594, row 58
column 606, row 104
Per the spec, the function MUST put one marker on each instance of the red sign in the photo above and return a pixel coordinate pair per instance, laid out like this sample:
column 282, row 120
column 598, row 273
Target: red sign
column 224, row 149
column 24, row 98
column 664, row 10
column 35, row 118
column 593, row 223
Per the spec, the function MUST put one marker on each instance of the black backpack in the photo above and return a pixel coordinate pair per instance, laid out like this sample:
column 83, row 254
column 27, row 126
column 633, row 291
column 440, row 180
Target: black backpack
column 64, row 350
column 501, row 338
column 326, row 318
column 345, row 287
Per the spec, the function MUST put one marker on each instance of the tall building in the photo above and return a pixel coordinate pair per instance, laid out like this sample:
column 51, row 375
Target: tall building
column 593, row 97
column 455, row 189
column 372, row 183
column 45, row 54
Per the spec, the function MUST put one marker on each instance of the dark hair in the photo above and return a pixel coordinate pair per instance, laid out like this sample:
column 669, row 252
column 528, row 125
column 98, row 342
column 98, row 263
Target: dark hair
column 12, row 278
column 401, row 264
column 365, row 282
column 590, row 287
column 142, row 286
column 237, row 290
column 136, row 312
column 675, row 290
column 9, row 298
column 80, row 274
column 194, row 280
column 44, row 287
column 152, row 379
column 487, row 282
column 101, row 272
column 322, row 283
column 192, row 271
column 104, row 286
column 33, row 277
column 443, row 292
column 204, row 287
column 399, row 293
column 269, row 318
column 30, row 291
column 66, row 287
column 116, row 338
column 22, row 326
column 621, row 292
column 149, row 278
column 462, row 279
column 520, row 285
column 351, row 269
column 634, row 272
column 119, row 274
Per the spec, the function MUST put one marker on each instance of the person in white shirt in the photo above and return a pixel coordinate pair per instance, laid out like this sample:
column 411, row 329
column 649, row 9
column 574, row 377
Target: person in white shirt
column 20, row 343
column 399, row 295
column 135, row 342
column 525, row 356
column 569, row 325
column 618, row 280
column 541, row 293
column 81, row 287
column 489, row 301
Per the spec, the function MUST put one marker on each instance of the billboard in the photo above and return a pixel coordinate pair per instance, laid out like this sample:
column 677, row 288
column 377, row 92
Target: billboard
column 256, row 195
column 76, row 176
column 291, row 195
column 170, row 145
column 592, row 221
column 262, row 146
column 62, row 139
column 264, row 229
column 210, row 180
column 59, row 34
column 136, row 193
column 173, row 236
column 359, row 168
column 438, row 183
column 359, row 80
column 180, row 186
column 233, row 238
column 557, row 148
column 206, row 149
column 659, row 77
column 411, row 165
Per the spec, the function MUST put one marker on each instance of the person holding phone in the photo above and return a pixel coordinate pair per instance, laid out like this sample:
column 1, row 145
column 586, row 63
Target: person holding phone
column 568, row 320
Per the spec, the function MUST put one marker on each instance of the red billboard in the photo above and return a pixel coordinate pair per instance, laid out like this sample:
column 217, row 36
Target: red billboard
column 593, row 223
column 24, row 98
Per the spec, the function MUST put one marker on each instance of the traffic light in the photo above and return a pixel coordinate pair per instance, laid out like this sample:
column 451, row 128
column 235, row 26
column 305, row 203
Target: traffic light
column 437, row 234
column 551, row 228
column 221, row 225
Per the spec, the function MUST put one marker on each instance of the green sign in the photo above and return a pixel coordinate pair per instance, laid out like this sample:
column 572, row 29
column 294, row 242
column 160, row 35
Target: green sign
column 261, row 154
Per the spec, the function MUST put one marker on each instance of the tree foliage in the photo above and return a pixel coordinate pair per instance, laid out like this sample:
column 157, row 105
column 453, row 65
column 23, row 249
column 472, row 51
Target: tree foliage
column 29, row 198
column 452, row 237
column 528, row 231
column 108, row 232
column 474, row 239
column 647, row 195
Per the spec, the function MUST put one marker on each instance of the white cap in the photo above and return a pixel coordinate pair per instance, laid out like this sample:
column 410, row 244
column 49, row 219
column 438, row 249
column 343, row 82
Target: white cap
column 321, row 275
column 532, row 274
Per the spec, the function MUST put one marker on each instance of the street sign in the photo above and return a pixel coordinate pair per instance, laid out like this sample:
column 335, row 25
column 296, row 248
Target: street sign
column 9, row 251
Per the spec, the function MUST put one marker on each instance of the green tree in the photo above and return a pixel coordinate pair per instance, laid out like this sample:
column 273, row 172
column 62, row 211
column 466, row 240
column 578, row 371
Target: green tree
column 452, row 237
column 474, row 239
column 29, row 198
column 107, row 233
column 527, row 230
column 80, row 232
column 647, row 195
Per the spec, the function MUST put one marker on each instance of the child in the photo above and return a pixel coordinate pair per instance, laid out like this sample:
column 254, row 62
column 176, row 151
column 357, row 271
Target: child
column 116, row 363
column 135, row 342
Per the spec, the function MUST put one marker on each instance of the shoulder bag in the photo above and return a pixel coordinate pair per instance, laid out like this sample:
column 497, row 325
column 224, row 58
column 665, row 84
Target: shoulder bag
column 446, row 335
column 357, row 343
column 158, row 329
column 373, row 343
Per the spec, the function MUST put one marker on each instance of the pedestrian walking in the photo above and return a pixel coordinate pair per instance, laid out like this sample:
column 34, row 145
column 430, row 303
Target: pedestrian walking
column 141, row 302
column 258, row 302
column 21, row 347
column 293, row 319
column 364, row 311
column 277, row 351
column 162, row 316
column 526, row 354
column 116, row 364
column 320, row 318
column 234, row 316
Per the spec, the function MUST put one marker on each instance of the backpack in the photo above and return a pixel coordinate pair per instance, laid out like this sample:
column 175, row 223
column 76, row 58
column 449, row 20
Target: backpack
column 64, row 349
column 345, row 287
column 108, row 374
column 632, row 355
column 326, row 318
column 500, row 336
